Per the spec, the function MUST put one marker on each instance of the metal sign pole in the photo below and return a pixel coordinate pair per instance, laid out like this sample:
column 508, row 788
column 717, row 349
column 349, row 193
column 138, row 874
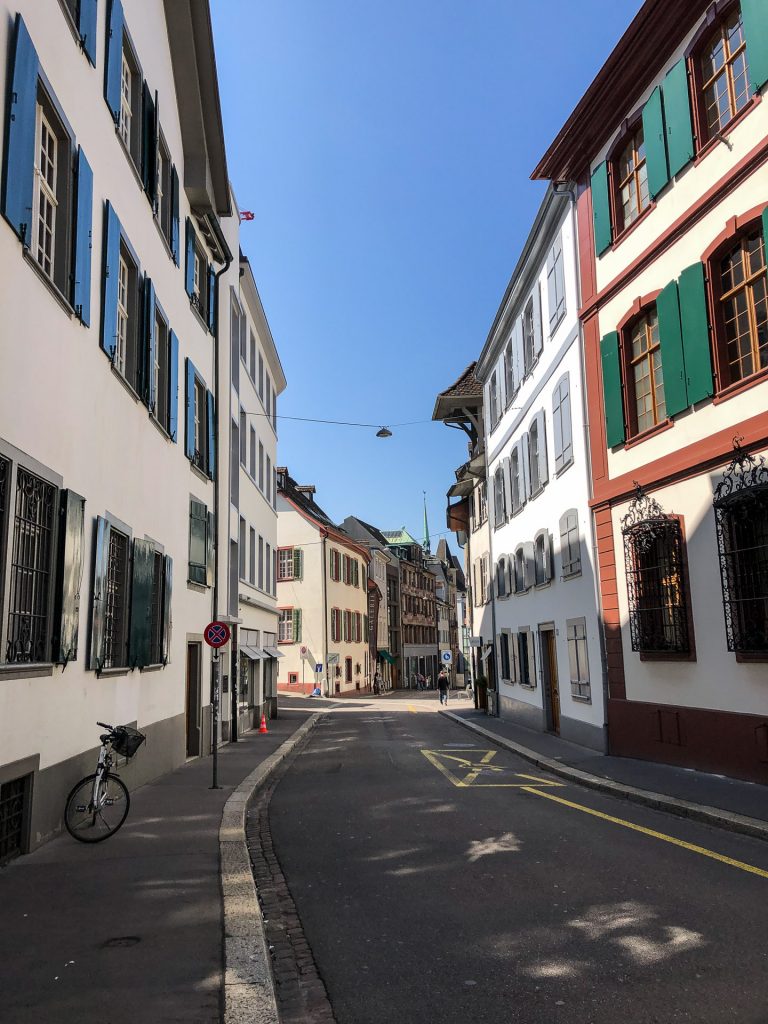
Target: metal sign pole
column 215, row 720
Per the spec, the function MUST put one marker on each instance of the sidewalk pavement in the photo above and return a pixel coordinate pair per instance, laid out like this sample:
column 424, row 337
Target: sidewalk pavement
column 727, row 803
column 130, row 928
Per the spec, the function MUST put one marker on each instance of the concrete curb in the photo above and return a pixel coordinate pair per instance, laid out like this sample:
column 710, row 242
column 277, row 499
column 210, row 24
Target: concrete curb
column 658, row 801
column 249, row 989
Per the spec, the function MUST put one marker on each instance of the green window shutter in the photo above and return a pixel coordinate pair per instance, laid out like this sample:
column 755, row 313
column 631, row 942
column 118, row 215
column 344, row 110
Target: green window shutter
column 695, row 325
column 655, row 143
column 614, row 406
column 114, row 58
column 111, row 281
column 70, row 570
column 671, row 341
column 190, row 410
column 98, row 606
column 141, row 603
column 211, row 299
column 211, row 421
column 677, row 118
column 754, row 14
column 296, row 625
column 81, row 285
column 19, row 155
column 175, row 214
column 149, row 346
column 765, row 229
column 167, row 600
column 298, row 563
column 601, row 209
column 173, row 387
column 209, row 550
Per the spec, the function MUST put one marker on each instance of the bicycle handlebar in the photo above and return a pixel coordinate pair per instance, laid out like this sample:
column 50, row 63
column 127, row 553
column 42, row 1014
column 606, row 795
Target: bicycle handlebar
column 105, row 726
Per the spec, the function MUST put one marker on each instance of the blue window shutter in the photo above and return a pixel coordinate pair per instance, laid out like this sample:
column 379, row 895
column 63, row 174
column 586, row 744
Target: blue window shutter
column 694, row 319
column 612, row 389
column 211, row 299
column 601, row 209
column 190, row 439
column 113, row 66
column 87, row 28
column 677, row 118
column 655, row 137
column 671, row 342
column 150, row 343
column 173, row 387
column 211, row 419
column 111, row 281
column 81, row 297
column 755, row 18
column 190, row 265
column 175, row 215
column 19, row 156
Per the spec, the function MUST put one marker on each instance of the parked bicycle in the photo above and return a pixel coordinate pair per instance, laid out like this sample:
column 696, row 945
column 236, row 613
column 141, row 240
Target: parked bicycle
column 98, row 805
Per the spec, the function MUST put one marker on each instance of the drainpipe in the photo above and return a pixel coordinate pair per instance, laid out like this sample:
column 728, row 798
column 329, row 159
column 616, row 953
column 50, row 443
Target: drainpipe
column 325, row 616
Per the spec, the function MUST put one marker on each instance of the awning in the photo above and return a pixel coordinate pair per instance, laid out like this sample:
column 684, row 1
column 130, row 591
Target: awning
column 273, row 652
column 386, row 656
column 253, row 653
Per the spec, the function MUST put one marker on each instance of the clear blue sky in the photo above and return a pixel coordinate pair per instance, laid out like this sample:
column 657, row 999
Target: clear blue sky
column 385, row 150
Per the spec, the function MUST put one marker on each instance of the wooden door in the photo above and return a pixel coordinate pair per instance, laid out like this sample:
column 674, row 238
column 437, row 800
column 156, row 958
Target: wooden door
column 193, row 699
column 554, row 691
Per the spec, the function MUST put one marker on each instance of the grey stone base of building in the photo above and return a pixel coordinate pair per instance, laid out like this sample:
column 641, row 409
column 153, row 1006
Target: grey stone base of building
column 531, row 717
column 48, row 788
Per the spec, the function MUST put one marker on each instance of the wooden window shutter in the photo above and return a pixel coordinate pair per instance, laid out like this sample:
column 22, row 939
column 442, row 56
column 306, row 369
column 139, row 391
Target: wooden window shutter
column 111, row 281
column 141, row 603
column 518, row 357
column 19, row 156
column 87, row 28
column 81, row 286
column 529, row 559
column 149, row 142
column 212, row 299
column 538, row 333
column 190, row 410
column 167, row 604
column 189, row 269
column 601, row 209
column 754, row 15
column 655, row 137
column 70, row 571
column 149, row 345
column 173, row 386
column 525, row 467
column 114, row 58
column 543, row 467
column 209, row 559
column 296, row 625
column 99, row 600
column 211, row 424
column 677, row 118
column 671, row 341
column 298, row 563
column 175, row 214
column 612, row 397
column 694, row 321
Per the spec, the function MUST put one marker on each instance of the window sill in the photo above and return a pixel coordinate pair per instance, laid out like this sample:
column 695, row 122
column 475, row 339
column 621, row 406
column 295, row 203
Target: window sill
column 198, row 472
column 751, row 659
column 722, row 136
column 571, row 575
column 62, row 300
column 544, row 585
column 126, row 383
column 563, row 469
column 626, row 232
column 740, row 387
column 667, row 656
column 121, row 670
column 166, row 243
column 199, row 588
column 21, row 670
column 554, row 324
column 528, row 686
column 659, row 428
column 128, row 154
column 153, row 668
column 581, row 699
column 198, row 315
column 161, row 428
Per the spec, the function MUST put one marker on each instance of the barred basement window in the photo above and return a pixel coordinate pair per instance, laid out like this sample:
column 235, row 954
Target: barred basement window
column 741, row 522
column 653, row 557
column 12, row 807
column 115, row 609
column 29, row 600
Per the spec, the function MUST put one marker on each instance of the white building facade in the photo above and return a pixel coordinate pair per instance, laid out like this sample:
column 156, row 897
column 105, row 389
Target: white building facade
column 548, row 658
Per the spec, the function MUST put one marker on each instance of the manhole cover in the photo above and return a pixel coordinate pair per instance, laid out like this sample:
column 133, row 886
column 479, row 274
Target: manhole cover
column 120, row 941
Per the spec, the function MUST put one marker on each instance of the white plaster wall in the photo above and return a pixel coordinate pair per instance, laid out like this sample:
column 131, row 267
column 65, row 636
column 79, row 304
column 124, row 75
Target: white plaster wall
column 61, row 402
column 715, row 681
column 306, row 594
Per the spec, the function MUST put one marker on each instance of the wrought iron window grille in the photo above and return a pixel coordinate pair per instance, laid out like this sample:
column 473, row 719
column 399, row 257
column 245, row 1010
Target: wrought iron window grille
column 741, row 525
column 656, row 584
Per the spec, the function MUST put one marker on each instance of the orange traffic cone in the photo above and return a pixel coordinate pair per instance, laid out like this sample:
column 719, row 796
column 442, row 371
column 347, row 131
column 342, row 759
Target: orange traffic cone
column 263, row 726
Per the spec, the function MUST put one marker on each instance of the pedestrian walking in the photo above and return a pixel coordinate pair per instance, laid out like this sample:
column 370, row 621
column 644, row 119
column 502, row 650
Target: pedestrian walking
column 442, row 686
column 421, row 682
column 377, row 684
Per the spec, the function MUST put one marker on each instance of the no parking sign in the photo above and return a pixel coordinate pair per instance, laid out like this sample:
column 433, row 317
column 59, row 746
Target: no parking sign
column 216, row 634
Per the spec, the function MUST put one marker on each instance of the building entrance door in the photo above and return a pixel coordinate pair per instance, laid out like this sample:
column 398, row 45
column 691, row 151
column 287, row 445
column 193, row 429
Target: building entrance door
column 549, row 663
column 194, row 662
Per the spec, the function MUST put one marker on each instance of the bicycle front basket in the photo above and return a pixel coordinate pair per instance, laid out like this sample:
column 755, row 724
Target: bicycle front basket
column 126, row 741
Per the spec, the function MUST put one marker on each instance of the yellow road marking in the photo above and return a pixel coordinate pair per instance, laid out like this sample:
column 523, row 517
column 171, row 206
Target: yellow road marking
column 475, row 769
column 650, row 832
column 412, row 709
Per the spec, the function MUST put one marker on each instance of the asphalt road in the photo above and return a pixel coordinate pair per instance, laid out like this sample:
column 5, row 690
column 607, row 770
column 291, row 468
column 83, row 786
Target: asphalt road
column 428, row 901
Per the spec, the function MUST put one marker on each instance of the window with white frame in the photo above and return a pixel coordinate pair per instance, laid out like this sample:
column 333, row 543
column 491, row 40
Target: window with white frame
column 526, row 658
column 201, row 434
column 543, row 558
column 289, row 626
column 493, row 400
column 505, row 669
column 160, row 372
column 570, row 543
column 577, row 658
column 129, row 124
column 126, row 358
column 537, row 453
column 45, row 198
column 163, row 198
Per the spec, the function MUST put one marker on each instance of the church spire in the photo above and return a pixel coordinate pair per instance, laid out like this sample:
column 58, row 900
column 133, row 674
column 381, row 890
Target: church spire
column 426, row 526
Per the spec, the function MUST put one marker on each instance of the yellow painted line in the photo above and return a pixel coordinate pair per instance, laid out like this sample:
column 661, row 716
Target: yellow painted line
column 475, row 769
column 650, row 832
column 412, row 709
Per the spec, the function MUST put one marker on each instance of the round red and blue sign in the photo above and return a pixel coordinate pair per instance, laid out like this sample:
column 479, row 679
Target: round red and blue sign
column 216, row 634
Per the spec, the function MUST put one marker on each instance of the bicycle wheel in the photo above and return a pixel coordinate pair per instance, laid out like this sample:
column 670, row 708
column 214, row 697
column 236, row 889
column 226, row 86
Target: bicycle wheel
column 90, row 822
